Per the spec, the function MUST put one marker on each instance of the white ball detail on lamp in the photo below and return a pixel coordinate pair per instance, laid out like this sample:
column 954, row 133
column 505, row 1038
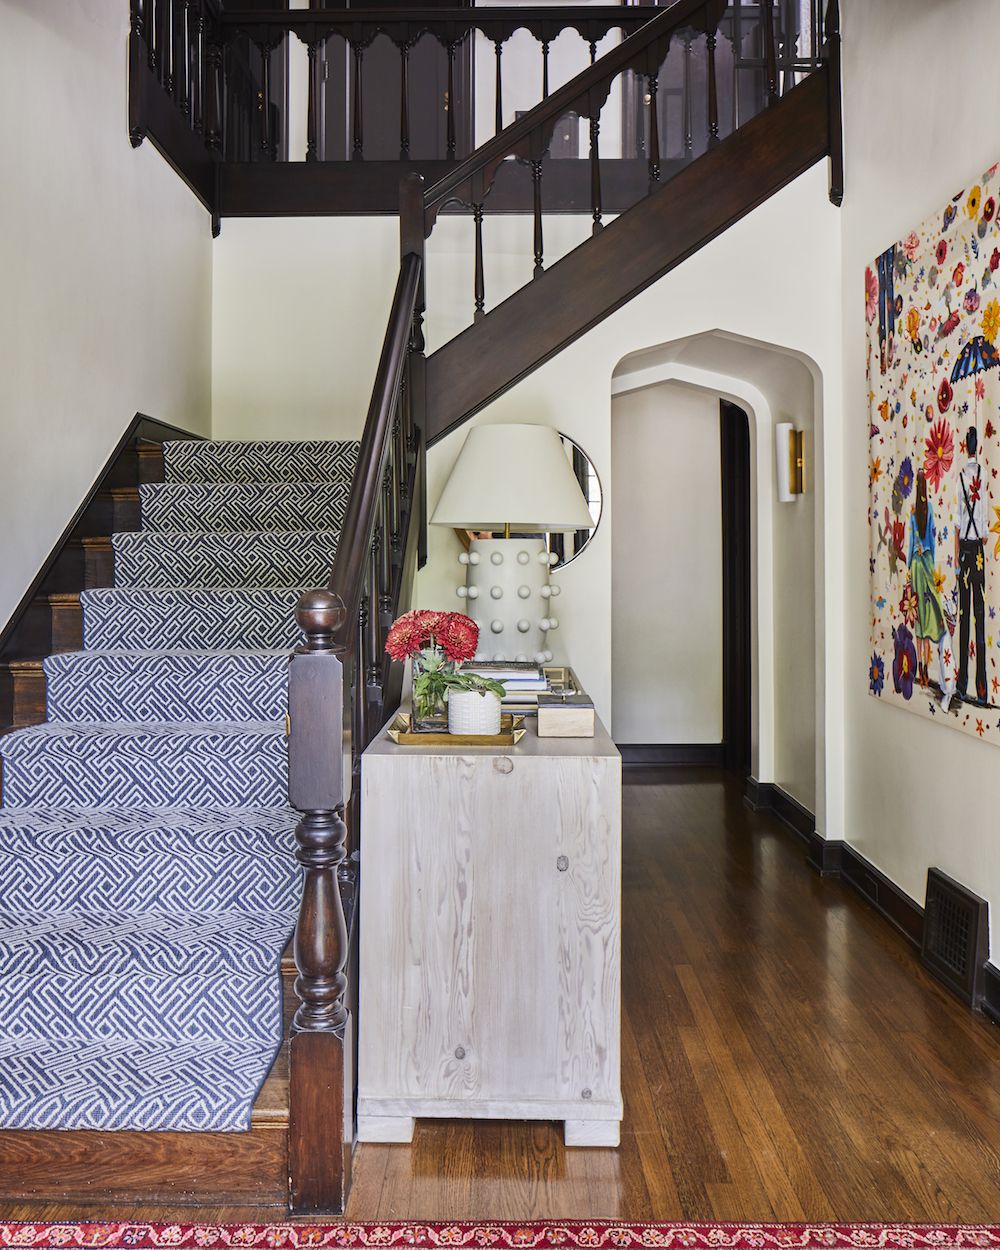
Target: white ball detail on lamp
column 540, row 657
column 523, row 557
column 543, row 557
column 524, row 592
column 521, row 658
column 545, row 591
column 464, row 558
column 496, row 626
column 547, row 657
column 523, row 626
column 543, row 624
column 553, row 623
column 473, row 557
column 496, row 592
column 462, row 592
column 473, row 592
column 496, row 558
column 499, row 655
column 555, row 590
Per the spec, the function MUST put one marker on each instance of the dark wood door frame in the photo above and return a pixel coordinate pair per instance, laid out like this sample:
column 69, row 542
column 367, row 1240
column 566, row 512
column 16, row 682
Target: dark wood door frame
column 734, row 429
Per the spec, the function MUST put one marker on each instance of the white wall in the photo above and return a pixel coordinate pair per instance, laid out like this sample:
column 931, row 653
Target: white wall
column 666, row 573
column 106, row 263
column 917, row 793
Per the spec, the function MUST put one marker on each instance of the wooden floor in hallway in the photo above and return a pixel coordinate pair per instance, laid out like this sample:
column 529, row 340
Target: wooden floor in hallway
column 784, row 1057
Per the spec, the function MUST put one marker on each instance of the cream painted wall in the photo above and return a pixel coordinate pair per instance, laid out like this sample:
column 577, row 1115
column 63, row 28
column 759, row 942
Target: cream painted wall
column 917, row 794
column 666, row 573
column 106, row 263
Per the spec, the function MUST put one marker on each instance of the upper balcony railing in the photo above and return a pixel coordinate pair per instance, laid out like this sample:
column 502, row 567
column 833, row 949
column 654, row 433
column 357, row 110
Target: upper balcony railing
column 323, row 110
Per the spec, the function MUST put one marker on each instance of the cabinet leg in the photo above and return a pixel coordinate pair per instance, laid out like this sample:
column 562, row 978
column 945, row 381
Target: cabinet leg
column 385, row 1128
column 592, row 1132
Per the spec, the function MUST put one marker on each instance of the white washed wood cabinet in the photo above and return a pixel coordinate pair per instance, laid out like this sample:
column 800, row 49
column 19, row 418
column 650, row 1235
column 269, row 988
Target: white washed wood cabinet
column 490, row 982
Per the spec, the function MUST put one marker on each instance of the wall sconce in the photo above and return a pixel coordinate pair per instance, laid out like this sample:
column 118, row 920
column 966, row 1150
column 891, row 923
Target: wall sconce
column 789, row 446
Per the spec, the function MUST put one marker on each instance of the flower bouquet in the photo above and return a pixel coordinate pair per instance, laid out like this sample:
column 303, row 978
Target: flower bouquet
column 435, row 642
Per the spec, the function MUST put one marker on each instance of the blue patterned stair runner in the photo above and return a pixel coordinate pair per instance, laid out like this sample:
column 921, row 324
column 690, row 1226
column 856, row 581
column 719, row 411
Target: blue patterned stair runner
column 147, row 878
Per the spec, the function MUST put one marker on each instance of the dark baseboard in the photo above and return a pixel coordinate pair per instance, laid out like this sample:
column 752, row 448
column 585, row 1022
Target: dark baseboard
column 663, row 755
column 833, row 858
column 990, row 1002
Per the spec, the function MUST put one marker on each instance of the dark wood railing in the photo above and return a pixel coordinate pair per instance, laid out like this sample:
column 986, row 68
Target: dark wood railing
column 391, row 90
column 342, row 685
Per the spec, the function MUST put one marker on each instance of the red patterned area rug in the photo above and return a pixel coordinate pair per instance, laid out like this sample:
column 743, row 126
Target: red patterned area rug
column 504, row 1235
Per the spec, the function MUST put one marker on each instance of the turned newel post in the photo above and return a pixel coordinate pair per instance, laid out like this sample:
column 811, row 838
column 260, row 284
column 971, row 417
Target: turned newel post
column 319, row 1046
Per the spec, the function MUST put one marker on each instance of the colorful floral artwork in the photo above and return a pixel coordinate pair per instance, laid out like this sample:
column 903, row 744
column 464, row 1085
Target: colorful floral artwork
column 932, row 307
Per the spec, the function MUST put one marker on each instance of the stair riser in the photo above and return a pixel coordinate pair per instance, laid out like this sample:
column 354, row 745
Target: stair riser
column 150, row 688
column 110, row 771
column 230, row 560
column 158, row 882
column 141, row 1008
column 240, row 506
column 136, row 620
column 259, row 462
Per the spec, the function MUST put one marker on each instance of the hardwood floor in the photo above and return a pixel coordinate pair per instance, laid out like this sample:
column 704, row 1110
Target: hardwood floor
column 784, row 1057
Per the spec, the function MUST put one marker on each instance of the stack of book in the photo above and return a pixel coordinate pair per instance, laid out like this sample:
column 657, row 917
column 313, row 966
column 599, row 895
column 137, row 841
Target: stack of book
column 523, row 681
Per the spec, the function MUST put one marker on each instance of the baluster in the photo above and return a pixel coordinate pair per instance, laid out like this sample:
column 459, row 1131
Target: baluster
column 397, row 471
column 359, row 134
column 654, row 130
column 688, row 121
column 536, row 180
column 264, row 101
column 593, row 51
column 312, row 113
column 770, row 53
column 404, row 101
column 213, row 103
column 736, row 33
column 713, row 94
column 361, row 674
column 198, row 74
column 315, row 788
column 480, row 282
column 545, row 69
column 373, row 637
column 833, row 102
column 595, row 173
column 178, row 55
column 498, row 49
column 450, row 106
column 165, row 44
column 385, row 555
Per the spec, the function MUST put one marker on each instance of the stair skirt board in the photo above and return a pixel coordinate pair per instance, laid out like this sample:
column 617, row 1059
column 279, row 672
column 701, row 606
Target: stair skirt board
column 148, row 884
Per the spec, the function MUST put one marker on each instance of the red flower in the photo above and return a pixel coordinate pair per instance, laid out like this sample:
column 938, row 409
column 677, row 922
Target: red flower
column 989, row 431
column 995, row 259
column 871, row 295
column 908, row 603
column 403, row 639
column 898, row 538
column 944, row 396
column 942, row 251
column 940, row 453
column 989, row 208
column 458, row 635
column 959, row 274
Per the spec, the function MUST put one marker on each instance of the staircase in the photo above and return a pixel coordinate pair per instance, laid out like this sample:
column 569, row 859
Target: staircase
column 146, row 841
column 152, row 813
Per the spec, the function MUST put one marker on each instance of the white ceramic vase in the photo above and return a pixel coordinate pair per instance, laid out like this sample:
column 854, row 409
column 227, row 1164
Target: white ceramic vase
column 472, row 713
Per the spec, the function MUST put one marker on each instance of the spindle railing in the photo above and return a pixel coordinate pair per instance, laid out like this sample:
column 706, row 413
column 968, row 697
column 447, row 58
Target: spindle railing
column 215, row 89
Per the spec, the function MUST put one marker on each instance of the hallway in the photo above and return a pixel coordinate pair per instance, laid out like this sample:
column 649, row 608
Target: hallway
column 785, row 1058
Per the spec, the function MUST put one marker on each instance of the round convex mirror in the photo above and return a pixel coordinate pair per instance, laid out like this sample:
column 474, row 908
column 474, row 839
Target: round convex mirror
column 565, row 547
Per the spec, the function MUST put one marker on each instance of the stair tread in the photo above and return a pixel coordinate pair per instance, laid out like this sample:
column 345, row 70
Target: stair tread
column 143, row 942
column 216, row 460
column 196, row 1086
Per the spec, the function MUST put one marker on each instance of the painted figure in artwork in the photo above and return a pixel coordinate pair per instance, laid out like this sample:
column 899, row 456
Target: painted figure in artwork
column 970, row 536
column 886, row 265
column 930, row 626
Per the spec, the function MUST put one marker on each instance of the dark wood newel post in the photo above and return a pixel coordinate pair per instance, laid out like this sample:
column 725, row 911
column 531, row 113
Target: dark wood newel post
column 320, row 1124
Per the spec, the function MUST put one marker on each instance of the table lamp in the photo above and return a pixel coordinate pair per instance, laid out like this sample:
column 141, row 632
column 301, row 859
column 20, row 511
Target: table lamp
column 512, row 478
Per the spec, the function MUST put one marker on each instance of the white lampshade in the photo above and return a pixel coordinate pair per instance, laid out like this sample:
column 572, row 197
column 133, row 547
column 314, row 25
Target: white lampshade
column 516, row 475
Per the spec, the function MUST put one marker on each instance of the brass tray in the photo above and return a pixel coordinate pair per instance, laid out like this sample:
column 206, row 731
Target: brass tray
column 511, row 732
